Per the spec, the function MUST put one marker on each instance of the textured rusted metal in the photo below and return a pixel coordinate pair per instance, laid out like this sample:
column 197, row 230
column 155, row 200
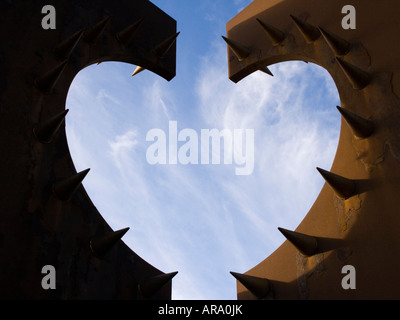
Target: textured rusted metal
column 358, row 225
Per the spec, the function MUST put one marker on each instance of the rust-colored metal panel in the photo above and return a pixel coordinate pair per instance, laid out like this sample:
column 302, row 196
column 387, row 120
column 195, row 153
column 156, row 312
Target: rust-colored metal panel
column 355, row 219
column 46, row 216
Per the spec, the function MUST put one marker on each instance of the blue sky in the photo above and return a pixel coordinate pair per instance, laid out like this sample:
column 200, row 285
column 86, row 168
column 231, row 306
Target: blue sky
column 203, row 220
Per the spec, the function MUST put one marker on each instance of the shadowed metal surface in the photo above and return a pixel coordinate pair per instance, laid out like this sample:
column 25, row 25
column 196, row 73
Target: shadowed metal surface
column 46, row 216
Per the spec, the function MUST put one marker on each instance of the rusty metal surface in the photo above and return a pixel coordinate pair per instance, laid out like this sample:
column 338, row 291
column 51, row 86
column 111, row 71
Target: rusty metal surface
column 356, row 219
column 39, row 227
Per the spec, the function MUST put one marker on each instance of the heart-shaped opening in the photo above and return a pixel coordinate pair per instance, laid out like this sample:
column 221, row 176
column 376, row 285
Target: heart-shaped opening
column 203, row 219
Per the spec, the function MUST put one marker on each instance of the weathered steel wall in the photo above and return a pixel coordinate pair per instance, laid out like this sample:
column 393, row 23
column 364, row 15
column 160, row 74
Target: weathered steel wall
column 46, row 218
column 355, row 220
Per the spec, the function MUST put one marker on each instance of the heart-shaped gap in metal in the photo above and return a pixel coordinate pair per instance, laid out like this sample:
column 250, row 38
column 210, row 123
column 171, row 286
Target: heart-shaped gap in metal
column 192, row 205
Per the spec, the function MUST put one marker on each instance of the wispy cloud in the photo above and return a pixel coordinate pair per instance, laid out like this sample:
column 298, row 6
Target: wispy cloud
column 292, row 138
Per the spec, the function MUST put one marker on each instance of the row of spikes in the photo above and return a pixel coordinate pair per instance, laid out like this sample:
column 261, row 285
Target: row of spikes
column 47, row 82
column 64, row 190
column 147, row 288
column 309, row 245
column 357, row 77
column 306, row 244
column 362, row 128
column 101, row 245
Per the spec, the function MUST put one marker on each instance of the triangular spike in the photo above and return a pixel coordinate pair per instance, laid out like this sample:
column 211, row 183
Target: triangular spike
column 100, row 246
column 266, row 70
column 343, row 187
column 309, row 32
column 65, row 48
column 92, row 34
column 150, row 286
column 276, row 36
column 240, row 51
column 46, row 130
column 161, row 49
column 362, row 128
column 306, row 244
column 64, row 189
column 138, row 70
column 47, row 82
column 338, row 45
column 126, row 35
column 260, row 287
column 358, row 78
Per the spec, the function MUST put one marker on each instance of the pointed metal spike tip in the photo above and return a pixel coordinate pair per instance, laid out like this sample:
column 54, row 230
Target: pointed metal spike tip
column 306, row 244
column 162, row 49
column 151, row 286
column 64, row 189
column 100, row 246
column 260, row 287
column 338, row 45
column 65, row 48
column 343, row 187
column 275, row 35
column 358, row 78
column 137, row 70
column 362, row 128
column 92, row 34
column 266, row 70
column 241, row 52
column 126, row 35
column 47, row 82
column 308, row 31
column 46, row 131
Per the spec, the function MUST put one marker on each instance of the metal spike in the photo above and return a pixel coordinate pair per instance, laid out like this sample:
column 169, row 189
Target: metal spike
column 161, row 49
column 309, row 32
column 343, row 187
column 260, row 287
column 65, row 48
column 126, row 35
column 266, row 70
column 100, row 246
column 338, row 45
column 47, row 82
column 362, row 128
column 358, row 78
column 150, row 286
column 64, row 189
column 276, row 36
column 93, row 34
column 240, row 51
column 46, row 131
column 138, row 70
column 306, row 244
